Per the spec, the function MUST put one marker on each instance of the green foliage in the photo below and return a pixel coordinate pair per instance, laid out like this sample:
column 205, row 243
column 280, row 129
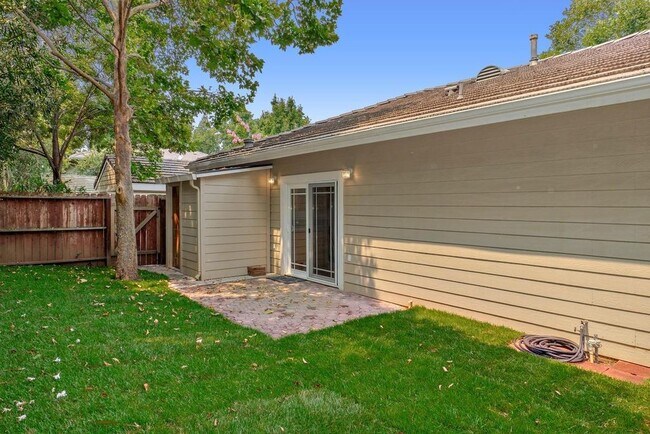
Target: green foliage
column 591, row 22
column 89, row 165
column 374, row 375
column 206, row 138
column 28, row 173
column 24, row 81
column 285, row 115
column 217, row 35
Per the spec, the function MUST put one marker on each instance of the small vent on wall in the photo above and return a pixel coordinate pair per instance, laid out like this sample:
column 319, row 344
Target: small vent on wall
column 490, row 72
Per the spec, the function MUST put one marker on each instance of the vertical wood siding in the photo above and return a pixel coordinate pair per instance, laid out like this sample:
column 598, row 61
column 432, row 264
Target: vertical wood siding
column 235, row 223
column 534, row 224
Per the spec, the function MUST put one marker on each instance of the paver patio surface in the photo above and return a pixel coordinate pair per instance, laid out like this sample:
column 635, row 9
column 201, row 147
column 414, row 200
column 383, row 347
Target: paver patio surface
column 277, row 308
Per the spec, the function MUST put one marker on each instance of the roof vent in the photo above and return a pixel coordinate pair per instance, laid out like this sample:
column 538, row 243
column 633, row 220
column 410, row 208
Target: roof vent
column 490, row 72
column 248, row 143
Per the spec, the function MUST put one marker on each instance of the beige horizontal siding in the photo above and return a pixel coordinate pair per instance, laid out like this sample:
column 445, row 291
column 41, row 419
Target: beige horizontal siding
column 189, row 229
column 534, row 224
column 235, row 223
column 106, row 181
column 275, row 255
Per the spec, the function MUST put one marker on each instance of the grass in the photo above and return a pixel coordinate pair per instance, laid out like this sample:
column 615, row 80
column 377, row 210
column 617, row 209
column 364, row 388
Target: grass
column 202, row 372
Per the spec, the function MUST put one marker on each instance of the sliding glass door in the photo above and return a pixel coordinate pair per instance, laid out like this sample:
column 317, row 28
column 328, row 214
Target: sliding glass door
column 313, row 231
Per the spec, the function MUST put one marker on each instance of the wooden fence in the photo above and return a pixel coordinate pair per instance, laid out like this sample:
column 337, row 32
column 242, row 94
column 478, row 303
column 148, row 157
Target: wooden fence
column 54, row 229
column 76, row 229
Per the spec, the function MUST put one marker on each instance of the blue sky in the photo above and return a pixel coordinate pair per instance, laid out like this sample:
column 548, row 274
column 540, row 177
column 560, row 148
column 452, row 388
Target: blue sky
column 388, row 48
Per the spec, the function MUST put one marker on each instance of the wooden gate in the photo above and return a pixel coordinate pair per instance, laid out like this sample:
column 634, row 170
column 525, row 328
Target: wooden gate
column 149, row 213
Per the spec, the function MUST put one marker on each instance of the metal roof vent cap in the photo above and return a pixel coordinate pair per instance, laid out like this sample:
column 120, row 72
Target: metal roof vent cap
column 490, row 72
column 248, row 143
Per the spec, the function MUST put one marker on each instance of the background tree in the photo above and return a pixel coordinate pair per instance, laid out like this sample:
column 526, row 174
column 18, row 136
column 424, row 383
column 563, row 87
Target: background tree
column 285, row 115
column 109, row 42
column 591, row 22
column 205, row 137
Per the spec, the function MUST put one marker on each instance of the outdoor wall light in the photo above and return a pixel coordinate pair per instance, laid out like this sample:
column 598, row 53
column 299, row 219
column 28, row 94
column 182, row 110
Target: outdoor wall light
column 272, row 180
column 346, row 173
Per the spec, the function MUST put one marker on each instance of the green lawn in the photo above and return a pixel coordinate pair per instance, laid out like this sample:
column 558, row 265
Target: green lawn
column 411, row 371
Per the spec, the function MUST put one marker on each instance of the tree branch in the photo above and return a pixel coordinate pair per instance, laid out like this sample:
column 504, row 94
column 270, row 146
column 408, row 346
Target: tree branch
column 56, row 53
column 90, row 26
column 110, row 9
column 31, row 151
column 145, row 7
column 77, row 122
column 42, row 144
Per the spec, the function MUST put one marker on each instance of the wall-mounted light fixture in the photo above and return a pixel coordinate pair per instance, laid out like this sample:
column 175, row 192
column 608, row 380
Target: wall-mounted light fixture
column 272, row 179
column 346, row 173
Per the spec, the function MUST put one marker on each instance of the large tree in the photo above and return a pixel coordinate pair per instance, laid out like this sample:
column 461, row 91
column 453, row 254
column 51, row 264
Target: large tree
column 591, row 22
column 47, row 110
column 109, row 42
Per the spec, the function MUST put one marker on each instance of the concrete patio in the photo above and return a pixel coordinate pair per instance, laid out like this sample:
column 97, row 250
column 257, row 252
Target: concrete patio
column 277, row 308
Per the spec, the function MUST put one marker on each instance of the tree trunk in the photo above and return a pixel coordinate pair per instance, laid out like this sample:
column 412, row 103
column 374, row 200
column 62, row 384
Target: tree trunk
column 126, row 267
column 56, row 161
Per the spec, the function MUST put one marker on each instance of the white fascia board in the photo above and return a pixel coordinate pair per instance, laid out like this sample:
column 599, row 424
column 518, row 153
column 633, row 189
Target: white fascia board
column 231, row 172
column 175, row 178
column 149, row 188
column 191, row 176
column 596, row 95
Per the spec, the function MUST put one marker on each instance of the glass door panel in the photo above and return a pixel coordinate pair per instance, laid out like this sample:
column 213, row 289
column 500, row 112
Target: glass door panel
column 299, row 229
column 323, row 231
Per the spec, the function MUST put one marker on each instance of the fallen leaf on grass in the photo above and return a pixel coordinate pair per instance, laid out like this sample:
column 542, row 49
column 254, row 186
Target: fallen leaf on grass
column 304, row 361
column 107, row 364
column 445, row 369
column 22, row 417
column 57, row 376
column 146, row 387
column 31, row 378
column 61, row 394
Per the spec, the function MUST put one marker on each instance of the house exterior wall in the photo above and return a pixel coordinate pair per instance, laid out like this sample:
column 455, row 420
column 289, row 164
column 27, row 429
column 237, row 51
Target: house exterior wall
column 189, row 229
column 106, row 182
column 533, row 224
column 235, row 223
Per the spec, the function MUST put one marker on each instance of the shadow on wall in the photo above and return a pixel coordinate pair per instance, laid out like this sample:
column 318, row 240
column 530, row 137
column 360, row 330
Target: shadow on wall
column 535, row 292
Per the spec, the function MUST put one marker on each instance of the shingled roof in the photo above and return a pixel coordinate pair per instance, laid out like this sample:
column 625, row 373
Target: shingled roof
column 625, row 57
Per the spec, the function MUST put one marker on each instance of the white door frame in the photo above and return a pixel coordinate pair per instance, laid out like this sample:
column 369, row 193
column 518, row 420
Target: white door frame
column 286, row 182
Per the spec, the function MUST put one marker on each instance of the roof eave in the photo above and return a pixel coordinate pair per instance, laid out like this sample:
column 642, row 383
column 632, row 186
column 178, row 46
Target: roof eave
column 626, row 89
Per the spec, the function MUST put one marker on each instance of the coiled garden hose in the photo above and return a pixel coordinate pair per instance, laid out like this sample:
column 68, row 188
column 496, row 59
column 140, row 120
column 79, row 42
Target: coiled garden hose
column 552, row 347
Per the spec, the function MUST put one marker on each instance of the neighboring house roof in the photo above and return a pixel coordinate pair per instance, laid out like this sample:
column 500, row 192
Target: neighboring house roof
column 186, row 156
column 79, row 182
column 625, row 57
column 166, row 167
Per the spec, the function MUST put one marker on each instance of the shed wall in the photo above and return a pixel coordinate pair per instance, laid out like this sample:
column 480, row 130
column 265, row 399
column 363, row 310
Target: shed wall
column 534, row 224
column 189, row 229
column 235, row 223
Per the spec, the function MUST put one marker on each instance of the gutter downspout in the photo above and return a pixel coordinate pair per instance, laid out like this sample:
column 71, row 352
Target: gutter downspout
column 198, row 226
